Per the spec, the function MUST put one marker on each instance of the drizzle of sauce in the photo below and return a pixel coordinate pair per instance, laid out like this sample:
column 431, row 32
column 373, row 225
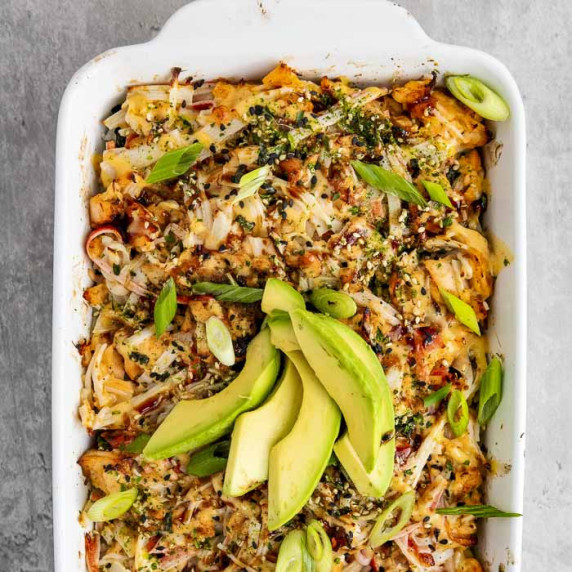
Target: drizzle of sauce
column 498, row 468
column 501, row 254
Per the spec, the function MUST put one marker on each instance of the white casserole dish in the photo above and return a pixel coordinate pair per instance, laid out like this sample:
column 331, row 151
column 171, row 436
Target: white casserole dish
column 367, row 40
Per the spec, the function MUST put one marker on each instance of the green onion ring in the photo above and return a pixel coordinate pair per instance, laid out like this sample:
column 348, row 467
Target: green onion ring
column 334, row 303
column 319, row 546
column 456, row 401
column 490, row 394
column 379, row 533
column 112, row 506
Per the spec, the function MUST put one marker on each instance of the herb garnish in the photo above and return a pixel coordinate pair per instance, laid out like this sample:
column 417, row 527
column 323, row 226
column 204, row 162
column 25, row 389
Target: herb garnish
column 165, row 307
column 478, row 510
column 228, row 292
column 388, row 182
column 174, row 163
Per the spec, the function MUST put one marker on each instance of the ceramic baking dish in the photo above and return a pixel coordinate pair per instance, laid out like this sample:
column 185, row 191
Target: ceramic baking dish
column 367, row 40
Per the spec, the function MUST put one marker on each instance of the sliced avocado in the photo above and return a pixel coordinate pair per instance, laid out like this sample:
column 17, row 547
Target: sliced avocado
column 373, row 483
column 352, row 375
column 298, row 461
column 282, row 334
column 256, row 432
column 192, row 424
column 365, row 354
column 280, row 296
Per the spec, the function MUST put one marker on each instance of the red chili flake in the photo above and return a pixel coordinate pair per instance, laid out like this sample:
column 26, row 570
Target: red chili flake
column 200, row 105
column 151, row 543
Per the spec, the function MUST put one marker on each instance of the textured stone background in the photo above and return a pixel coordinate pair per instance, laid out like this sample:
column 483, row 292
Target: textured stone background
column 43, row 42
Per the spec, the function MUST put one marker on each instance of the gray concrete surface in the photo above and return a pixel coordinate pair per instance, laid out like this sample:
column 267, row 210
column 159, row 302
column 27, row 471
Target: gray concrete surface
column 43, row 42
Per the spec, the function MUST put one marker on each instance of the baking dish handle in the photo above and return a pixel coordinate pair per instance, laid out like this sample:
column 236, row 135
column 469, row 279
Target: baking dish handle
column 376, row 26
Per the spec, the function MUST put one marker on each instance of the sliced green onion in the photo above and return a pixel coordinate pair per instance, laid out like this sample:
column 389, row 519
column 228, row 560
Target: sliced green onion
column 315, row 546
column 209, row 461
column 478, row 97
column 251, row 182
column 334, row 303
column 389, row 182
column 229, row 292
column 112, row 506
column 380, row 532
column 478, row 510
column 165, row 307
column 174, row 163
column 491, row 390
column 458, row 420
column 137, row 445
column 293, row 555
column 319, row 546
column 437, row 396
column 463, row 312
column 437, row 193
column 219, row 341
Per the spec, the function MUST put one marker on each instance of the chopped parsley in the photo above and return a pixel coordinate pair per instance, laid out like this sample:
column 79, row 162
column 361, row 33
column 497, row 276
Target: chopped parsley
column 247, row 225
